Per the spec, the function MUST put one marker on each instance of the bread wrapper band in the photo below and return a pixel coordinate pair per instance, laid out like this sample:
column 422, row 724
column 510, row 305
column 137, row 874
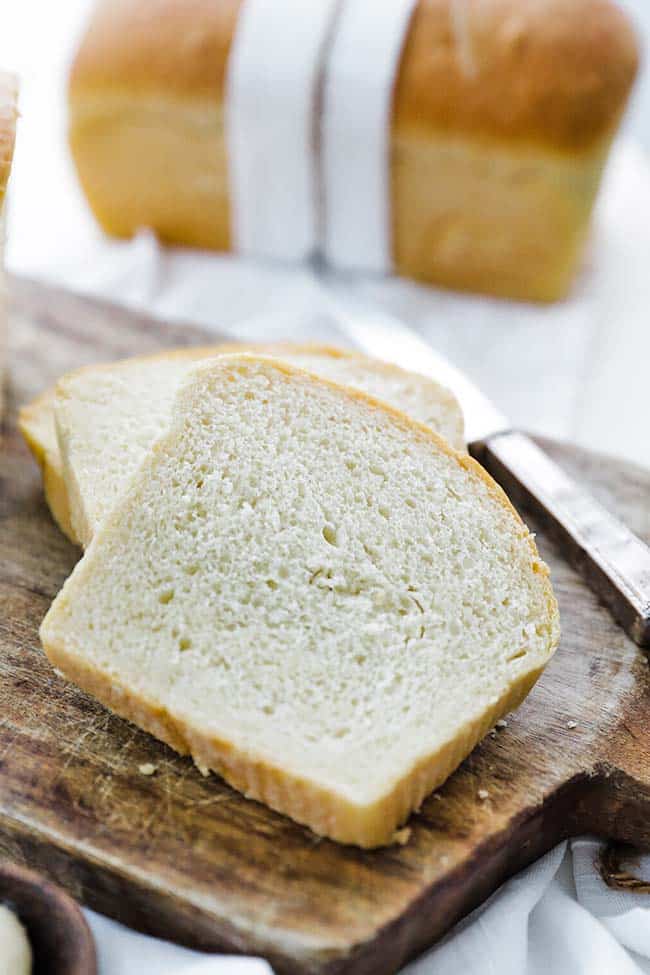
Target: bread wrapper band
column 271, row 106
column 308, row 113
column 359, row 82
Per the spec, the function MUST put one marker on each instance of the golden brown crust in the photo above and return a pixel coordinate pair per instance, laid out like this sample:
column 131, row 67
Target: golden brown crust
column 256, row 776
column 302, row 800
column 556, row 73
column 8, row 116
column 490, row 96
column 164, row 46
column 36, row 423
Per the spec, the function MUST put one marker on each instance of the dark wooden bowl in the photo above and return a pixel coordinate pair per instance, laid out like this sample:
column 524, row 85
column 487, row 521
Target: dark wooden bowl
column 60, row 938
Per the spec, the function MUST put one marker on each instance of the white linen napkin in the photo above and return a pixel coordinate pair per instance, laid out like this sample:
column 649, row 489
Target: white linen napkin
column 121, row 951
column 624, row 913
column 535, row 924
column 476, row 946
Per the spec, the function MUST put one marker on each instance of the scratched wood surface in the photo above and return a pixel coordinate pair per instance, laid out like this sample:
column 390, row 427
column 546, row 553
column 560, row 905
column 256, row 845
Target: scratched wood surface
column 187, row 858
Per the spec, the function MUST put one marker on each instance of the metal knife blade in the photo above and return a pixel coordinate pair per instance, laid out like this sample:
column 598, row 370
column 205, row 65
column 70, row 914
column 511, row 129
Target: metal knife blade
column 379, row 334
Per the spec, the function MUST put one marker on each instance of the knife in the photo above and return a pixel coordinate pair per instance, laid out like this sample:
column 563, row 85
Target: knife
column 614, row 562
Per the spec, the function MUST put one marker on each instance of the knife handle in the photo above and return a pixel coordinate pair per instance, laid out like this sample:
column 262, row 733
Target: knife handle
column 611, row 559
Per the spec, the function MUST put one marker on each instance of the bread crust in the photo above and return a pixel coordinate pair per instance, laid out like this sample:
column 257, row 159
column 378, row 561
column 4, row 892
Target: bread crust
column 556, row 73
column 156, row 46
column 255, row 775
column 36, row 424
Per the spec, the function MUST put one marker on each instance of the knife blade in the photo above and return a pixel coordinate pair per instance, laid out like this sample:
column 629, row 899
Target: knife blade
column 384, row 337
column 614, row 562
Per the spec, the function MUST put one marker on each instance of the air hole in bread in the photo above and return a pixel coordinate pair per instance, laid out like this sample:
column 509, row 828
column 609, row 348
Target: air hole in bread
column 330, row 535
column 516, row 656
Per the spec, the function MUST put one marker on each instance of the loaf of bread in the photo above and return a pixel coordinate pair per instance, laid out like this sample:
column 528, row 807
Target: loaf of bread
column 503, row 113
column 8, row 115
column 109, row 415
column 310, row 593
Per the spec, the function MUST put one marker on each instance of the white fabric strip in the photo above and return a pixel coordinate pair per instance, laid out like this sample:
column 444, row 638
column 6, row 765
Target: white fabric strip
column 271, row 92
column 355, row 131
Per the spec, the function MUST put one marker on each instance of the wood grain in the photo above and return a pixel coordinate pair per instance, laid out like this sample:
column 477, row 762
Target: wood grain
column 187, row 858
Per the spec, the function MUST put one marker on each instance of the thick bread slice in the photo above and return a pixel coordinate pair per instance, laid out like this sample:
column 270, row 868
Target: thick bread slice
column 36, row 423
column 310, row 593
column 109, row 415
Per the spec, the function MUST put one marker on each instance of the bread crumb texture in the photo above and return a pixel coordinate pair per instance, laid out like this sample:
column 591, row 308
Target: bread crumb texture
column 313, row 595
column 108, row 417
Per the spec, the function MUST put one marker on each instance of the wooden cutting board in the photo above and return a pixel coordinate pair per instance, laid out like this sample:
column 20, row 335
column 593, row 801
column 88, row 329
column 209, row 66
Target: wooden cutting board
column 185, row 857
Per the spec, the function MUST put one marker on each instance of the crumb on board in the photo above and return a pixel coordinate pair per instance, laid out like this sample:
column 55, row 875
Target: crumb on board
column 402, row 836
column 502, row 723
column 146, row 768
column 483, row 794
column 571, row 725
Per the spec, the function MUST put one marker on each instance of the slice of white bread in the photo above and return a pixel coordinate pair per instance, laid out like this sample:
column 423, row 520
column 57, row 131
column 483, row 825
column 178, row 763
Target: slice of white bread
column 108, row 416
column 36, row 423
column 310, row 593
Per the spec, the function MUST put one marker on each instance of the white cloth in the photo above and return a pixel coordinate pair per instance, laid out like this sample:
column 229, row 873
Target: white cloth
column 355, row 128
column 270, row 106
column 555, row 917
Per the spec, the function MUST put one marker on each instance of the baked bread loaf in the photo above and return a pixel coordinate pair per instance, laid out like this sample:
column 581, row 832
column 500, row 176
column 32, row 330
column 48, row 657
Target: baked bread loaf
column 8, row 115
column 108, row 416
column 311, row 594
column 502, row 117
